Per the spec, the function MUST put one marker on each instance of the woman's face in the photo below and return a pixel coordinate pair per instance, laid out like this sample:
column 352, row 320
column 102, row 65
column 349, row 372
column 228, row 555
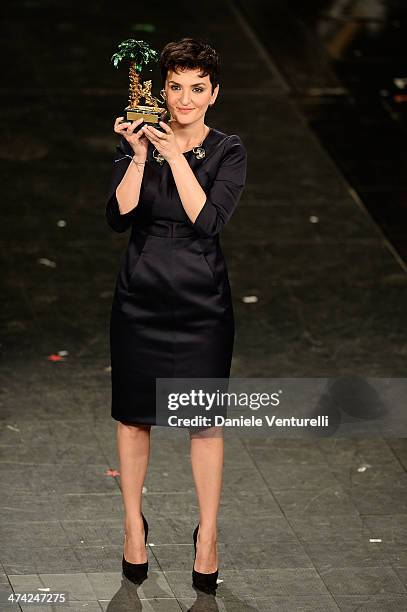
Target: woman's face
column 187, row 90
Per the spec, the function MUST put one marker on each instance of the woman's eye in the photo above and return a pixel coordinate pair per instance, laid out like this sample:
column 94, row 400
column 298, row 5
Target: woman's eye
column 197, row 89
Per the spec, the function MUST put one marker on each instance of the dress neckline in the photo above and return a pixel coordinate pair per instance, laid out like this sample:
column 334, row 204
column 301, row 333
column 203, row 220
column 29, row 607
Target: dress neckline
column 201, row 145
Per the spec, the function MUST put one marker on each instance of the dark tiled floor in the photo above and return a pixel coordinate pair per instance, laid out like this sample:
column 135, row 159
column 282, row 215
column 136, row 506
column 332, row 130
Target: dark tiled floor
column 311, row 525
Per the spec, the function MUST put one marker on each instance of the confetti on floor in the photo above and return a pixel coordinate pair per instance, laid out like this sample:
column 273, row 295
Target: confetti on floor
column 111, row 472
column 47, row 262
column 54, row 357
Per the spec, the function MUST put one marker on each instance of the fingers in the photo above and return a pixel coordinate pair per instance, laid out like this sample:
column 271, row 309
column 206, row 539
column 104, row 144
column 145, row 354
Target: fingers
column 155, row 132
column 119, row 126
column 126, row 127
column 127, row 130
column 148, row 132
column 138, row 135
column 155, row 136
column 133, row 126
column 117, row 121
column 165, row 126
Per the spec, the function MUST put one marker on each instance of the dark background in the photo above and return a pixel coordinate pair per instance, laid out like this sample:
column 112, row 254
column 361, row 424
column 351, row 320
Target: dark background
column 319, row 238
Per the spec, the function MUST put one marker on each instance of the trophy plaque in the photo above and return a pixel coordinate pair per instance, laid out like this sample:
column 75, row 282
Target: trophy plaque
column 140, row 54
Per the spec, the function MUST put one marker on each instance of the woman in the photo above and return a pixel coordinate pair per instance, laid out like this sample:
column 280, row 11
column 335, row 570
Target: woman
column 172, row 313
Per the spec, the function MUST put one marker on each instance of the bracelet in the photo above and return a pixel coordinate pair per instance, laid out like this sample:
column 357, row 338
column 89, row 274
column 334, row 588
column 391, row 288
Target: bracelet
column 131, row 157
column 138, row 163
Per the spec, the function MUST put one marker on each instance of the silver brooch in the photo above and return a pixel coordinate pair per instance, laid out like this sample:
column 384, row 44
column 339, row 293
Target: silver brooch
column 199, row 152
column 158, row 157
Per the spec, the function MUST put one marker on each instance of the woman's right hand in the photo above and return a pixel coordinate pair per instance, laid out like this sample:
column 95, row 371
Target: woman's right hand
column 138, row 141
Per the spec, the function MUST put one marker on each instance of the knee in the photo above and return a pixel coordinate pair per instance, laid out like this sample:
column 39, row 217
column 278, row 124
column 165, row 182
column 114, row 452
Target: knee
column 208, row 432
column 133, row 428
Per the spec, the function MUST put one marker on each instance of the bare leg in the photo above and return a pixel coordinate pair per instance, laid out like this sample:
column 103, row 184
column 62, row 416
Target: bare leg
column 207, row 452
column 133, row 444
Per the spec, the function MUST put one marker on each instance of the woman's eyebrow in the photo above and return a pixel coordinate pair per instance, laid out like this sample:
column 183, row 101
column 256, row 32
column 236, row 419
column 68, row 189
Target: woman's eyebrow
column 201, row 83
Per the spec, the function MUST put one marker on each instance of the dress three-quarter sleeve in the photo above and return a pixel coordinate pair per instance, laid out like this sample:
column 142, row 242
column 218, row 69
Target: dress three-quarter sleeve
column 225, row 191
column 117, row 221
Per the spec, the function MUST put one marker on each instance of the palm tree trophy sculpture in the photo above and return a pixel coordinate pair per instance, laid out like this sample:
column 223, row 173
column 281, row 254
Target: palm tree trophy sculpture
column 139, row 53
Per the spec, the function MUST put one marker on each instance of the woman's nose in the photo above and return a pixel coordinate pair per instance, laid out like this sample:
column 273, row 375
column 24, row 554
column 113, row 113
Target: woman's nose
column 185, row 99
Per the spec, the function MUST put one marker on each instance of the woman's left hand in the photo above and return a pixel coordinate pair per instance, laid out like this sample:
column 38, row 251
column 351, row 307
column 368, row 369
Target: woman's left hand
column 164, row 142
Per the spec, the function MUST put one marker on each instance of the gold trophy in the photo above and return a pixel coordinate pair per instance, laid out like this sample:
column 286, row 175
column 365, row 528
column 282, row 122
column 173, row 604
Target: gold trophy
column 140, row 54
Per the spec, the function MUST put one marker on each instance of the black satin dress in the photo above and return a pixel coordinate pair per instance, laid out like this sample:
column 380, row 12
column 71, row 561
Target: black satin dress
column 172, row 312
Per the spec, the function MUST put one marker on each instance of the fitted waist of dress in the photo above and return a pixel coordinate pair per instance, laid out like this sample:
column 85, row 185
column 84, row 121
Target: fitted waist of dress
column 167, row 229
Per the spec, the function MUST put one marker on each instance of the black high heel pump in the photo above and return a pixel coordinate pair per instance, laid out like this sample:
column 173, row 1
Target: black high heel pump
column 203, row 582
column 136, row 572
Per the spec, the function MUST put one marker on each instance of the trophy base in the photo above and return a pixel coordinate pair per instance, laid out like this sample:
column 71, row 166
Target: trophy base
column 151, row 115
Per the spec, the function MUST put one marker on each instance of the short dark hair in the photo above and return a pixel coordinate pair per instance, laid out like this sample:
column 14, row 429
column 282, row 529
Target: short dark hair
column 190, row 53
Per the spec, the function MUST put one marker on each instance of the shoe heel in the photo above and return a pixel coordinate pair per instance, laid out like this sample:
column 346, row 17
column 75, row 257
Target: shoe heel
column 204, row 582
column 136, row 572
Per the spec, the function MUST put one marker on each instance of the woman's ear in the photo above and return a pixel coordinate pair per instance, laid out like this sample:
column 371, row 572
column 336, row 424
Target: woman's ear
column 214, row 95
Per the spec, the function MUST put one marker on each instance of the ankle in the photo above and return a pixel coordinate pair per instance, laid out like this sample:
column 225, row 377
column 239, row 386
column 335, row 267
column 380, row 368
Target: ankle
column 207, row 536
column 207, row 532
column 134, row 528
